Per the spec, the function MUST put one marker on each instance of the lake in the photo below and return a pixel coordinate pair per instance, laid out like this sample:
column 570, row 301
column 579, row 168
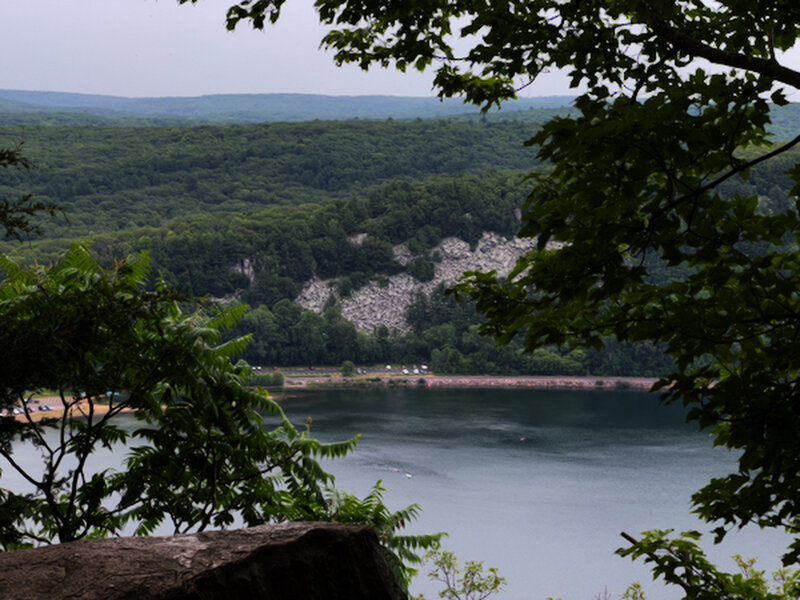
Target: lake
column 538, row 483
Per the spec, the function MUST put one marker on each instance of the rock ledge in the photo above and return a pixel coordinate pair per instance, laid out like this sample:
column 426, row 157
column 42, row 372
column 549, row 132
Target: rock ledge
column 314, row 561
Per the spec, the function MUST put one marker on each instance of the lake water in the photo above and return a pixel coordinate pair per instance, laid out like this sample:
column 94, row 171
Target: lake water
column 538, row 483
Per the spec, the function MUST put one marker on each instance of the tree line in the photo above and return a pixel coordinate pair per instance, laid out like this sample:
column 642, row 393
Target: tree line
column 445, row 335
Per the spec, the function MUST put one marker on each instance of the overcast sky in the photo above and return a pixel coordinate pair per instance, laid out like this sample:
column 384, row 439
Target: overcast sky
column 157, row 48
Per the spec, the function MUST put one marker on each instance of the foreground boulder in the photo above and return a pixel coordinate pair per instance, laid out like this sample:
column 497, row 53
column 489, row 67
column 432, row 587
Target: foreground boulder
column 312, row 561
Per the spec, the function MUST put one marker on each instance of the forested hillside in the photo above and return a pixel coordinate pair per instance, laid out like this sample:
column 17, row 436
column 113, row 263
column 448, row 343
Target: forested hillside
column 110, row 179
column 286, row 246
column 252, row 213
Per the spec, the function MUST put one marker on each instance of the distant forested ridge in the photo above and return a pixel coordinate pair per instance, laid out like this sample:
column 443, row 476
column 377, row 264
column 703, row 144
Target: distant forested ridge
column 252, row 213
column 18, row 107
column 33, row 107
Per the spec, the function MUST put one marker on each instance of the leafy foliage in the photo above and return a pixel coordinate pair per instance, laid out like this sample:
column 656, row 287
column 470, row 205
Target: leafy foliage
column 16, row 215
column 274, row 379
column 104, row 346
column 681, row 562
column 647, row 180
column 404, row 549
column 200, row 451
column 469, row 584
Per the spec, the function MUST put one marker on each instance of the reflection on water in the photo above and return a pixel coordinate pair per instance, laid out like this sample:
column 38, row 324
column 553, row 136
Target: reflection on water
column 536, row 482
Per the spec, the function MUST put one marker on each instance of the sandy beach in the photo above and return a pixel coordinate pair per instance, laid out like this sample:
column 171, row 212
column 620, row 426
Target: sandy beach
column 81, row 409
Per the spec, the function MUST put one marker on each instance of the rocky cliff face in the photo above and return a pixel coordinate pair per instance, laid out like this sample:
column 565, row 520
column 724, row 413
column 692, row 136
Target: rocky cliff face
column 377, row 304
column 313, row 561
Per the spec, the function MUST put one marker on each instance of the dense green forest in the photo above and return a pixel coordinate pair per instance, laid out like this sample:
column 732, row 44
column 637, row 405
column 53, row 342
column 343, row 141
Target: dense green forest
column 445, row 336
column 288, row 245
column 251, row 212
column 115, row 178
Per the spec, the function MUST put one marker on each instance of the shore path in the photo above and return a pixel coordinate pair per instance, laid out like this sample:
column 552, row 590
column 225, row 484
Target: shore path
column 429, row 381
column 478, row 381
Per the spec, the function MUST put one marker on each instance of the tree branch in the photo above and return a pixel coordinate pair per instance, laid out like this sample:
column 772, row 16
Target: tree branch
column 712, row 184
column 685, row 43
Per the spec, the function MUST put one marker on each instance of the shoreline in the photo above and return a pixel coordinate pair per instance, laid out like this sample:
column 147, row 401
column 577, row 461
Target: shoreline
column 309, row 382
column 77, row 410
column 564, row 382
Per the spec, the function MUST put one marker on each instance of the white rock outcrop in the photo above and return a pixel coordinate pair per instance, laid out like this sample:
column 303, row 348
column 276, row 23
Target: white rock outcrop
column 377, row 304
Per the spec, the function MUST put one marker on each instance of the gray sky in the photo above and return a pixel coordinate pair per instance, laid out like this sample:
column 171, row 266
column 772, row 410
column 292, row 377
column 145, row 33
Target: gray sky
column 157, row 48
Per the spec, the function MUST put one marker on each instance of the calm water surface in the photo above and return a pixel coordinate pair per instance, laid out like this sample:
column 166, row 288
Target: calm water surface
column 538, row 483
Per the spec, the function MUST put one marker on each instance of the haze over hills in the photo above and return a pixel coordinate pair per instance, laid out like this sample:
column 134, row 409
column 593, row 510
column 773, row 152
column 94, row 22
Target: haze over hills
column 23, row 107
column 251, row 108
